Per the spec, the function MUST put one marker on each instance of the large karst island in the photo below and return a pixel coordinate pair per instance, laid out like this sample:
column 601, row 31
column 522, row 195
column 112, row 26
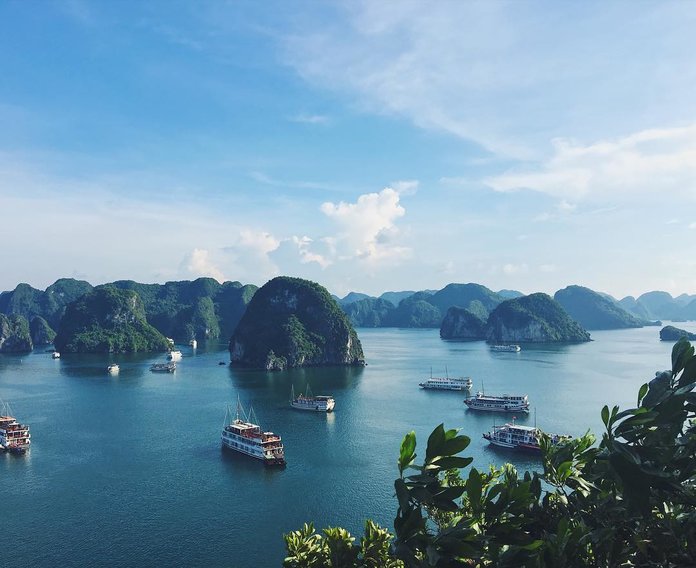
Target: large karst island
column 292, row 322
column 536, row 318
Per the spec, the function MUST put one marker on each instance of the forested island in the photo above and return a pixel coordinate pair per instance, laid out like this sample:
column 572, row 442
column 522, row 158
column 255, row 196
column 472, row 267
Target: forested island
column 205, row 309
column 292, row 322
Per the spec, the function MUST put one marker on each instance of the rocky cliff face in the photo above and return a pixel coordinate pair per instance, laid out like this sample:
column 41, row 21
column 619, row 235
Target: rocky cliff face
column 41, row 332
column 14, row 334
column 671, row 333
column 536, row 318
column 292, row 322
column 460, row 323
column 107, row 320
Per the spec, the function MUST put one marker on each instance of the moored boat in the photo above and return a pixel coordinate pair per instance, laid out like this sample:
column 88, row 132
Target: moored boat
column 508, row 348
column 174, row 355
column 243, row 435
column 14, row 437
column 193, row 343
column 307, row 401
column 514, row 436
column 447, row 383
column 113, row 369
column 55, row 355
column 502, row 403
column 163, row 367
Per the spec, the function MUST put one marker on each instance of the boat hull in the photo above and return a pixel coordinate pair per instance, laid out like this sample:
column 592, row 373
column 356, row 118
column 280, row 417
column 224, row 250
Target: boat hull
column 496, row 409
column 269, row 462
column 313, row 407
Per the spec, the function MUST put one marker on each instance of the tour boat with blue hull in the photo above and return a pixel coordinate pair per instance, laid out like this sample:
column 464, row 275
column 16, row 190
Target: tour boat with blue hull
column 312, row 403
column 502, row 403
column 513, row 436
column 14, row 437
column 243, row 435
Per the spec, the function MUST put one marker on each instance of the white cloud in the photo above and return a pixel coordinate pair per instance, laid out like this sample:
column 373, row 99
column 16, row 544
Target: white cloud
column 547, row 268
column 651, row 162
column 198, row 263
column 405, row 187
column 692, row 225
column 367, row 227
column 469, row 68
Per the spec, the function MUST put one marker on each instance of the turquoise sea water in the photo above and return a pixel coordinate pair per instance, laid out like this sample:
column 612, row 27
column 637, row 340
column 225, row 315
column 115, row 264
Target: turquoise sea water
column 128, row 470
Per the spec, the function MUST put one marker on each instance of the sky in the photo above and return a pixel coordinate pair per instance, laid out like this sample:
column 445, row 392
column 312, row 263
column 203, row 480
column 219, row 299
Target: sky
column 366, row 145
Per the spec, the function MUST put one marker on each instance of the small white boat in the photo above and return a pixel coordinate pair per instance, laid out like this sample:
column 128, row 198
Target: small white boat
column 113, row 369
column 309, row 402
column 193, row 343
column 507, row 348
column 163, row 367
column 174, row 355
column 502, row 403
column 55, row 355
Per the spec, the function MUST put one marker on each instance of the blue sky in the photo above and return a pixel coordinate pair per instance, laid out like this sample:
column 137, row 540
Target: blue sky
column 369, row 146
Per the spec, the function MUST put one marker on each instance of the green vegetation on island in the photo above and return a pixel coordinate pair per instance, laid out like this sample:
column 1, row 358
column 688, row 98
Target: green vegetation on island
column 460, row 323
column 108, row 320
column 628, row 501
column 594, row 311
column 291, row 322
column 535, row 318
column 14, row 334
column 41, row 332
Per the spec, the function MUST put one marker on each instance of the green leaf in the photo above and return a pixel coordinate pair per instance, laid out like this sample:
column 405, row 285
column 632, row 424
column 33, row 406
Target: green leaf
column 435, row 443
column 455, row 445
column 453, row 462
column 407, row 454
column 641, row 394
column 605, row 415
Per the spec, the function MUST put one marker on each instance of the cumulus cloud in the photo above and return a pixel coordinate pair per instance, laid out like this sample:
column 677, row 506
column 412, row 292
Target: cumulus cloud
column 367, row 227
column 650, row 162
column 197, row 263
column 515, row 268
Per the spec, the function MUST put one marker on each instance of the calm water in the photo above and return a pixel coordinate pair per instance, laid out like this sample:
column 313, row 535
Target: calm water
column 128, row 470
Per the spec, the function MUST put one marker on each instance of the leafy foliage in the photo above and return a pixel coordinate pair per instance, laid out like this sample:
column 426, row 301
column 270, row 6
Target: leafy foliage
column 460, row 323
column 292, row 322
column 628, row 501
column 41, row 332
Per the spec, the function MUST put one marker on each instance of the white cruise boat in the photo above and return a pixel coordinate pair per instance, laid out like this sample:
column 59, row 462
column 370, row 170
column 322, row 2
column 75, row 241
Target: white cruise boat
column 175, row 355
column 447, row 383
column 113, row 369
column 502, row 403
column 244, row 436
column 14, row 437
column 55, row 355
column 193, row 343
column 507, row 348
column 309, row 402
column 514, row 436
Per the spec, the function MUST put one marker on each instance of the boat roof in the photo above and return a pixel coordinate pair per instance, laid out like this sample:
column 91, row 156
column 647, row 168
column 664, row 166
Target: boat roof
column 519, row 427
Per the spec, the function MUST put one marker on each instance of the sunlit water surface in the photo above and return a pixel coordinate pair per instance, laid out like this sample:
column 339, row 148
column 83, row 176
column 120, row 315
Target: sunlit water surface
column 128, row 470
